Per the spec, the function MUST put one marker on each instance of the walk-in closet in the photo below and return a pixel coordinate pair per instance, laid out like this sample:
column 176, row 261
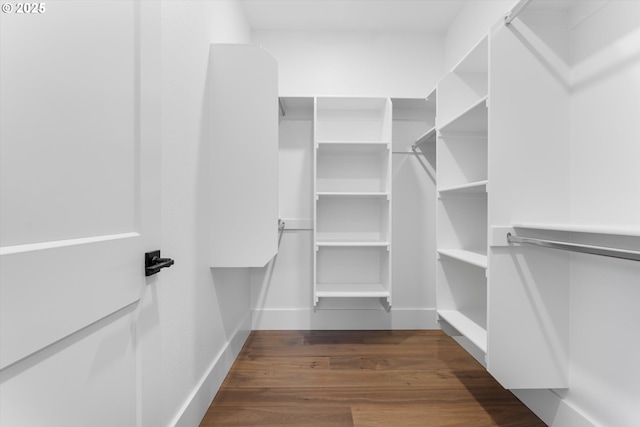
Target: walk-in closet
column 320, row 213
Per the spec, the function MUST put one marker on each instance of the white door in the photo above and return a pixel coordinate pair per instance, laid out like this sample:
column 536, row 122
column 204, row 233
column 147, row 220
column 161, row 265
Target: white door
column 79, row 173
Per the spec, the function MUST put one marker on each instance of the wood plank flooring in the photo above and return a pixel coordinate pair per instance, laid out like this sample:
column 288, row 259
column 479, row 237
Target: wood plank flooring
column 361, row 378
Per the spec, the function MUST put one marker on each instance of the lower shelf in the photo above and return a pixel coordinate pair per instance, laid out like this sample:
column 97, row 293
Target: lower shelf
column 467, row 327
column 352, row 290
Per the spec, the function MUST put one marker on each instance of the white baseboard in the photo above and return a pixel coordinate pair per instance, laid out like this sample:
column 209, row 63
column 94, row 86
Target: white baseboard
column 552, row 409
column 198, row 402
column 308, row 319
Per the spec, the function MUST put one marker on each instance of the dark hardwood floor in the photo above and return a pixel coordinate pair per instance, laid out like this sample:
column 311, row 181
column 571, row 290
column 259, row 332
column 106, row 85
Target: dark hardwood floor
column 361, row 378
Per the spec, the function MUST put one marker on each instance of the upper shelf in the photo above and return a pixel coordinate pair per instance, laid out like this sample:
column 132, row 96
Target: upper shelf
column 473, row 120
column 476, row 60
column 352, row 194
column 352, row 146
column 351, row 120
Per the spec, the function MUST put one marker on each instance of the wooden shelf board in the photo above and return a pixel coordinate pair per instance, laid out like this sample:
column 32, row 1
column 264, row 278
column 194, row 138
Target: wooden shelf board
column 470, row 257
column 467, row 327
column 352, row 290
column 471, row 187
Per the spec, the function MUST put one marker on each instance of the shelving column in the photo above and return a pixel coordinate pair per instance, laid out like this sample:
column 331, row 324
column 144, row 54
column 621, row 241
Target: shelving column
column 462, row 178
column 352, row 206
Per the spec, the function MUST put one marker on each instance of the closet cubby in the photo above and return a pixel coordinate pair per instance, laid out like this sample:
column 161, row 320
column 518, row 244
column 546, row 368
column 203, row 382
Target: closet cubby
column 352, row 271
column 352, row 167
column 462, row 208
column 352, row 209
column 463, row 163
column 355, row 219
column 353, row 120
column 462, row 299
column 465, row 86
column 462, row 227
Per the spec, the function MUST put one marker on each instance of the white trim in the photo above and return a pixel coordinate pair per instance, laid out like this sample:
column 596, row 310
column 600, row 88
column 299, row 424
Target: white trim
column 199, row 400
column 309, row 319
column 553, row 409
column 30, row 247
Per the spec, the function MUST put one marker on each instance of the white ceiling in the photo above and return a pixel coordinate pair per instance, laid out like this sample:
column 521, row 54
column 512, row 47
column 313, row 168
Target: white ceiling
column 392, row 15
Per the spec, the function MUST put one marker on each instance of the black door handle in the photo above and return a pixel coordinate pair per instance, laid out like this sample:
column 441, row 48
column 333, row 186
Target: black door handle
column 153, row 263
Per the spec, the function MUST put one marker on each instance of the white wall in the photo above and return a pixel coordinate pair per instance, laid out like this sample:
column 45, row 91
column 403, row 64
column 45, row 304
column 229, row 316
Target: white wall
column 354, row 63
column 203, row 314
column 605, row 191
column 470, row 25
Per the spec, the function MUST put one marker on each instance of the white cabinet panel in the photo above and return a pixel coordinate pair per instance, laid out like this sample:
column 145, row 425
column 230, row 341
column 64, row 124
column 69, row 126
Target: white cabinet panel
column 244, row 156
column 528, row 296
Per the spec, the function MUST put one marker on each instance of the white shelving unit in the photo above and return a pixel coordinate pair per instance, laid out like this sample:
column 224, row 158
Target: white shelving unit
column 462, row 182
column 352, row 209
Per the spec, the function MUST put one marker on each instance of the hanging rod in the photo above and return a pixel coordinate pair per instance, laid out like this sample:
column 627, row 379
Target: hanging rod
column 587, row 249
column 515, row 11
column 424, row 138
column 281, row 107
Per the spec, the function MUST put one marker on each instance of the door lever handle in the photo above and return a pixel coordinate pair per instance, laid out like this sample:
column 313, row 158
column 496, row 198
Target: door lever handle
column 153, row 263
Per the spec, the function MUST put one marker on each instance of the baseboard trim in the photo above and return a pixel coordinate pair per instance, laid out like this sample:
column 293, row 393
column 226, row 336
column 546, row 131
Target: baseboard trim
column 308, row 319
column 196, row 405
column 553, row 409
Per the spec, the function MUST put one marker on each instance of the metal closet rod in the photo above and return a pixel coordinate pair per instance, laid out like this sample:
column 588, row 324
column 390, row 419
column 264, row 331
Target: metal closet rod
column 516, row 11
column 575, row 247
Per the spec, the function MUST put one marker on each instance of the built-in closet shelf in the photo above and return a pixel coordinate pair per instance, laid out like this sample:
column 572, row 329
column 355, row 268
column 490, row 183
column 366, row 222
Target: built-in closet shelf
column 353, row 147
column 471, row 121
column 470, row 257
column 462, row 198
column 429, row 135
column 464, row 323
column 633, row 231
column 352, row 243
column 351, row 194
column 352, row 290
column 478, row 187
column 352, row 206
column 348, row 142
